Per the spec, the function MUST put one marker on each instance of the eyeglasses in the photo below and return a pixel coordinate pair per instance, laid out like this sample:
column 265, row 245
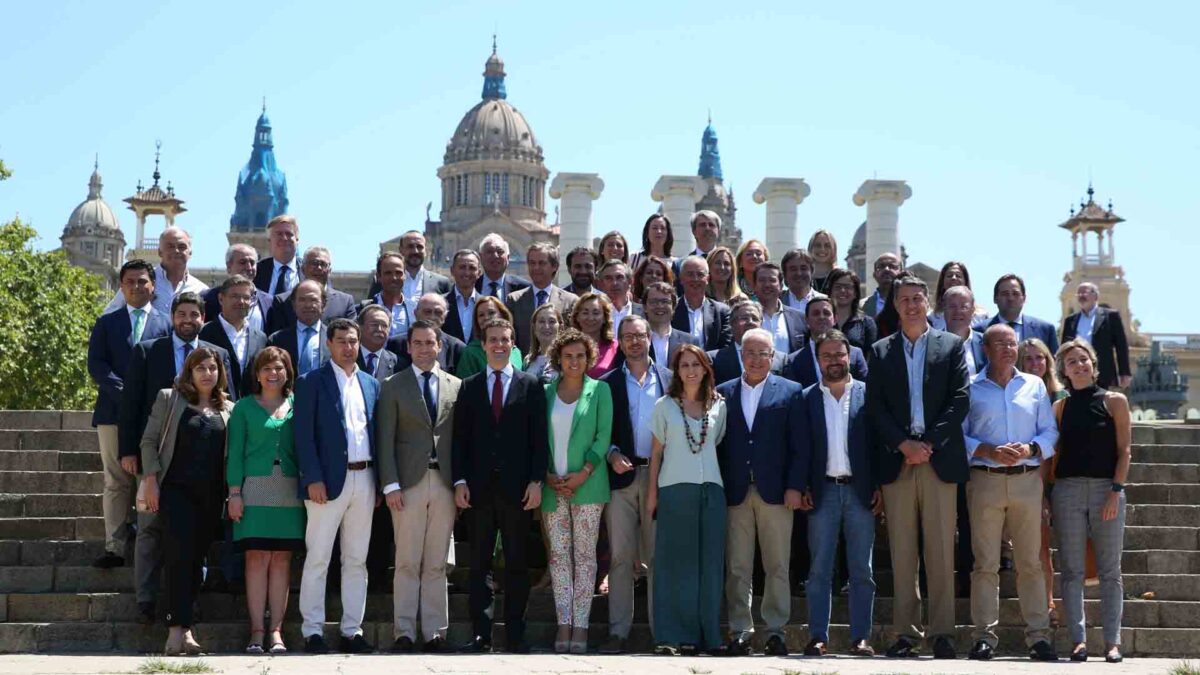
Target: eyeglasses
column 757, row 354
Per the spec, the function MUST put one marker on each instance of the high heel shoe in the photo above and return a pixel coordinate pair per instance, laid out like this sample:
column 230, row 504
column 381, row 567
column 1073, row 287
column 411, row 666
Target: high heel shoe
column 562, row 640
column 190, row 646
column 579, row 641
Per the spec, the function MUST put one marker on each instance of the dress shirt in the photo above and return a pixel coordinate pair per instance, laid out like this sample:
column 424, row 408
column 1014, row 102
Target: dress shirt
column 414, row 288
column 642, row 396
column 837, row 430
column 880, row 301
column 661, row 344
column 378, row 357
column 358, row 446
column 776, row 325
column 312, row 346
column 466, row 314
column 1087, row 321
column 164, row 291
column 547, row 290
column 293, row 278
column 255, row 318
column 148, row 308
column 433, row 387
column 695, row 320
column 798, row 303
column 506, row 376
column 751, row 395
column 969, row 353
column 178, row 350
column 619, row 314
column 1018, row 325
column 238, row 339
column 401, row 314
column 702, row 254
column 487, row 286
column 1019, row 412
column 914, row 360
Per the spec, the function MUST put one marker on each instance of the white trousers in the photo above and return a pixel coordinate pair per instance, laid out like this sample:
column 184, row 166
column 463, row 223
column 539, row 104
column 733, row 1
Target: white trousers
column 351, row 512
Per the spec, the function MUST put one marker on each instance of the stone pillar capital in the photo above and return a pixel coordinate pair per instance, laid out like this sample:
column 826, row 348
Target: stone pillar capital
column 679, row 195
column 882, row 199
column 589, row 183
column 891, row 190
column 680, row 186
column 575, row 192
column 793, row 188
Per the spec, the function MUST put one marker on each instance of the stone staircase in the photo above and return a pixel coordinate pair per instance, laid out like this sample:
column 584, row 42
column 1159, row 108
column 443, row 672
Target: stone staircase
column 52, row 600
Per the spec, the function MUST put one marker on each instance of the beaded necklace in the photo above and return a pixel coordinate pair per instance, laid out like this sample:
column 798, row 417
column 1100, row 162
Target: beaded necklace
column 694, row 445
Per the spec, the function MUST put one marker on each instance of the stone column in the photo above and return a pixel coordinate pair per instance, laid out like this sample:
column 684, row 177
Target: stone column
column 782, row 196
column 679, row 195
column 883, row 199
column 575, row 192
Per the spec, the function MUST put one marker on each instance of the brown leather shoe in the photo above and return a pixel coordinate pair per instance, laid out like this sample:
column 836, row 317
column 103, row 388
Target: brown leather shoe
column 862, row 648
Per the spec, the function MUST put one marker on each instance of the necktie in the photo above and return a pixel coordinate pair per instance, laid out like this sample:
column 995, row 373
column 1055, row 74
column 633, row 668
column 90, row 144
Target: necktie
column 541, row 299
column 430, row 407
column 187, row 349
column 371, row 358
column 281, row 284
column 305, row 364
column 497, row 396
column 139, row 324
column 495, row 288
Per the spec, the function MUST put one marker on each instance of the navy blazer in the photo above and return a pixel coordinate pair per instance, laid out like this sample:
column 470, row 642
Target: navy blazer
column 799, row 366
column 977, row 352
column 797, row 328
column 452, row 326
column 677, row 339
column 452, row 349
column 858, row 443
column 264, row 271
column 240, row 381
column 151, row 369
column 212, row 304
column 717, row 331
column 946, row 400
column 1031, row 326
column 319, row 422
column 338, row 305
column 1108, row 339
column 384, row 368
column 109, row 349
column 622, row 424
column 512, row 283
column 773, row 450
column 727, row 366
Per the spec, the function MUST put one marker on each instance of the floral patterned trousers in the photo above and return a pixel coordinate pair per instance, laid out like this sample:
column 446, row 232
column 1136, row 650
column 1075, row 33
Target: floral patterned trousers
column 572, row 530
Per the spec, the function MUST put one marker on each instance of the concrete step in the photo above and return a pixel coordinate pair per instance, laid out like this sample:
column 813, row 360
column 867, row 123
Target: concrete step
column 1166, row 454
column 63, row 528
column 77, row 440
column 41, row 506
column 1166, row 434
column 1157, row 561
column 45, row 419
column 51, row 482
column 1138, row 538
column 1170, row 515
column 49, row 460
column 1164, row 473
column 1163, row 493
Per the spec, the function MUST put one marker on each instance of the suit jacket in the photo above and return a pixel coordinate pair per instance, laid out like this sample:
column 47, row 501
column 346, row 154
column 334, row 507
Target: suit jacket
column 384, row 367
column 977, row 352
column 151, row 369
column 240, row 380
column 1031, row 326
column 338, row 305
column 677, row 339
column 452, row 349
column 799, row 366
column 521, row 304
column 264, row 271
column 946, row 402
column 717, row 332
column 1109, row 341
column 770, row 455
column 859, row 441
column 622, row 426
column 868, row 304
column 320, row 427
column 109, row 348
column 289, row 341
column 727, row 366
column 431, row 282
column 407, row 439
column 452, row 326
column 588, row 441
column 517, row 447
column 511, row 284
column 212, row 304
column 797, row 328
column 157, row 446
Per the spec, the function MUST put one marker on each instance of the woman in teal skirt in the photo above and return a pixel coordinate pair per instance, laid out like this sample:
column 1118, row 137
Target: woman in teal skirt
column 262, row 475
column 688, row 497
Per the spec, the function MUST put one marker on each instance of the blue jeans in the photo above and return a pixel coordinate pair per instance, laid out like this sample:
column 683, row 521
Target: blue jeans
column 839, row 508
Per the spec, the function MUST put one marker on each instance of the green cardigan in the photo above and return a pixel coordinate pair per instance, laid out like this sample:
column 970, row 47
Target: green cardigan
column 474, row 360
column 591, row 435
column 255, row 439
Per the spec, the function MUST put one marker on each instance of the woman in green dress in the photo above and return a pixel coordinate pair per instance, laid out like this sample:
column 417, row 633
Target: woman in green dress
column 262, row 475
column 473, row 360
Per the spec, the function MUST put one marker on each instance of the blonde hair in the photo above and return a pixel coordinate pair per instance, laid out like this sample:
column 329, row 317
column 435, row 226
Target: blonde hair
column 606, row 333
column 1053, row 386
column 731, row 290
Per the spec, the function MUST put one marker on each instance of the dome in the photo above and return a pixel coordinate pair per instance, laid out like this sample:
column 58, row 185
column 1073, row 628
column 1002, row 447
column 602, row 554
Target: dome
column 93, row 216
column 493, row 129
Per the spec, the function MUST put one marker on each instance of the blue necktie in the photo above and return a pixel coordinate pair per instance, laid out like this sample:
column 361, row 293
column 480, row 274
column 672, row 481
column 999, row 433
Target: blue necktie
column 281, row 284
column 430, row 407
column 541, row 299
column 371, row 363
column 495, row 286
column 305, row 364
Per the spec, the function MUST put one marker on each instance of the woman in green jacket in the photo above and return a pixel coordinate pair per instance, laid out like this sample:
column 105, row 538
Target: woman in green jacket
column 576, row 486
column 473, row 360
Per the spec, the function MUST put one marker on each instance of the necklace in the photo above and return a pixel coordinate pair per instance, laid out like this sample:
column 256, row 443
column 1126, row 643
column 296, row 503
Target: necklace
column 694, row 445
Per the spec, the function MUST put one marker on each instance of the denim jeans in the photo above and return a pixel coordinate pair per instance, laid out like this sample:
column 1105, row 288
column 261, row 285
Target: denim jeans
column 839, row 508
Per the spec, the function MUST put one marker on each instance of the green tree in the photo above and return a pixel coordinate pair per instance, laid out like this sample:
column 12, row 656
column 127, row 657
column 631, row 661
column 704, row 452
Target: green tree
column 47, row 308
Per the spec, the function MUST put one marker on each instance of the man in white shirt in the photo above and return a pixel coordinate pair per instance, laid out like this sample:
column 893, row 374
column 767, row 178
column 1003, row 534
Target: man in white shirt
column 232, row 330
column 958, row 306
column 785, row 324
column 704, row 318
column 706, row 230
column 417, row 280
column 614, row 280
column 281, row 272
column 797, row 267
column 171, row 276
column 496, row 281
column 241, row 259
column 466, row 271
column 884, row 270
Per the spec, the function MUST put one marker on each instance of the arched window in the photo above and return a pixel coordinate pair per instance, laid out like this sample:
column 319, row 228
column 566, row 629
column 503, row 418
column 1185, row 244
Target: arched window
column 503, row 188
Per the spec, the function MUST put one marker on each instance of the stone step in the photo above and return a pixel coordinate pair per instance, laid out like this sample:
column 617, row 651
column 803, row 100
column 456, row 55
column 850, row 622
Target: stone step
column 42, row 506
column 1139, row 538
column 1163, row 515
column 63, row 528
column 51, row 482
column 1166, row 454
column 1166, row 434
column 78, row 440
column 1164, row 473
column 49, row 460
column 45, row 419
column 1163, row 493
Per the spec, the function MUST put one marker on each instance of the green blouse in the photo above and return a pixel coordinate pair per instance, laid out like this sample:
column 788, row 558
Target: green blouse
column 255, row 439
column 474, row 360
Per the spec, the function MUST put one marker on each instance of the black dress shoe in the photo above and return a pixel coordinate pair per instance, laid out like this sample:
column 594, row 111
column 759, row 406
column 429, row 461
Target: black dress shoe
column 518, row 647
column 477, row 645
column 403, row 645
column 982, row 651
column 815, row 647
column 146, row 613
column 862, row 648
column 943, row 648
column 902, row 649
column 1079, row 654
column 108, row 561
column 356, row 645
column 775, row 646
column 1042, row 651
column 435, row 645
column 315, row 644
column 688, row 650
column 1114, row 655
column 739, row 646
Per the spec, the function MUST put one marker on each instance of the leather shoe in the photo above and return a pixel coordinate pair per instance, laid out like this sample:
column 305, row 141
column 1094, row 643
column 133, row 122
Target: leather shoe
column 435, row 645
column 403, row 645
column 315, row 644
column 477, row 645
column 1079, row 653
column 356, row 645
column 815, row 647
column 739, row 646
column 982, row 651
column 902, row 649
column 943, row 648
column 1042, row 651
column 1114, row 655
column 775, row 646
column 108, row 561
column 862, row 648
column 613, row 645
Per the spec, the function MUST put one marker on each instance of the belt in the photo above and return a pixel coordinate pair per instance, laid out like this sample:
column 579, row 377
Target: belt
column 434, row 465
column 359, row 466
column 840, row 480
column 1007, row 470
column 640, row 461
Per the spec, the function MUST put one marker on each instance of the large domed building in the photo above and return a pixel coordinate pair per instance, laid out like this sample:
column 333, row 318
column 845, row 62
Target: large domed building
column 92, row 238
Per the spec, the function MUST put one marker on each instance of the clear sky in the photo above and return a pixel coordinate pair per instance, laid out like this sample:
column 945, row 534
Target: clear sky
column 996, row 116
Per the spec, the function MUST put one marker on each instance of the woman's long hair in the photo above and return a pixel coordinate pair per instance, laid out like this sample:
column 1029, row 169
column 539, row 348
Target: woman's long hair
column 941, row 284
column 732, row 289
column 708, row 388
column 639, row 288
column 646, row 252
column 477, row 330
column 1050, row 378
column 185, row 387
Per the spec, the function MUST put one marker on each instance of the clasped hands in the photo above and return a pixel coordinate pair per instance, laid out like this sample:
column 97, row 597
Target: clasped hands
column 565, row 486
column 916, row 452
column 1008, row 454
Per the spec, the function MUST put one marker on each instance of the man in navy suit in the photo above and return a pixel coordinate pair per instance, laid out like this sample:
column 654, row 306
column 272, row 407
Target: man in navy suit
column 840, row 494
column 334, row 423
column 230, row 329
column 500, row 452
column 317, row 266
column 786, row 325
column 281, row 272
column 431, row 307
column 801, row 366
column 1103, row 328
column 762, row 469
column 460, row 317
column 727, row 361
column 109, row 348
column 496, row 281
column 704, row 318
column 304, row 340
column 241, row 259
column 1009, row 296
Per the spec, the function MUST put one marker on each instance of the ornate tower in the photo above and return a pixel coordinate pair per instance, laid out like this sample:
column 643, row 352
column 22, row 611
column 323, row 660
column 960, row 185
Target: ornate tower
column 716, row 198
column 1095, row 262
column 152, row 201
column 92, row 238
column 261, row 190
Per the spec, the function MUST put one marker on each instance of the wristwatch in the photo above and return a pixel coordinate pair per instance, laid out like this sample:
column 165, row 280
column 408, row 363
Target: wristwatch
column 1117, row 487
column 1035, row 450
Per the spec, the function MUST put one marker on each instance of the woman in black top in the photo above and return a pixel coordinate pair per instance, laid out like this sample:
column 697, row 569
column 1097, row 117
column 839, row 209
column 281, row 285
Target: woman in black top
column 846, row 290
column 183, row 457
column 1088, row 499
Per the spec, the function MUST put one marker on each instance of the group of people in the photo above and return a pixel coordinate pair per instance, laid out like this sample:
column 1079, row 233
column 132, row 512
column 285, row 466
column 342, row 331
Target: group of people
column 679, row 414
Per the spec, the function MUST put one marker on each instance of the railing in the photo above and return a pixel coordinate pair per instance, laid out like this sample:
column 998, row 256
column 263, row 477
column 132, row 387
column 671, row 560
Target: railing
column 1173, row 341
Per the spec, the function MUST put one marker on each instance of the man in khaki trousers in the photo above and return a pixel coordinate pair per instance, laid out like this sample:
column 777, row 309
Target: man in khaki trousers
column 415, row 421
column 1009, row 432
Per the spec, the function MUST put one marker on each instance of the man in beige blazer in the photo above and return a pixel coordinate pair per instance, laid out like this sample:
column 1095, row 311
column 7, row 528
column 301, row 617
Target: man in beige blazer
column 415, row 417
column 542, row 261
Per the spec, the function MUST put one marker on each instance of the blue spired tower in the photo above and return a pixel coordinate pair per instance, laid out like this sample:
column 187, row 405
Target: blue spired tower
column 716, row 198
column 261, row 190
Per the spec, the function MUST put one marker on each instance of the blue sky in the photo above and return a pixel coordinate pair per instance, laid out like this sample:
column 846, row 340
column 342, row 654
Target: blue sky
column 996, row 116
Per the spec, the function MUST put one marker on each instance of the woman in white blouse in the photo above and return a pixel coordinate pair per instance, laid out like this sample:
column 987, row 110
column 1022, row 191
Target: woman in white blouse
column 688, row 498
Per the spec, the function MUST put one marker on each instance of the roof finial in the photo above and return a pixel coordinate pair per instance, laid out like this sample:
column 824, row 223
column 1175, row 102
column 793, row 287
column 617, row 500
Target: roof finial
column 264, row 103
column 157, row 150
column 96, row 164
column 710, row 117
column 493, row 43
column 1091, row 192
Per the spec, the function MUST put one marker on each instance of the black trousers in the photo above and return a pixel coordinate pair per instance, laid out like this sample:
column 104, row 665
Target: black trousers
column 492, row 513
column 191, row 517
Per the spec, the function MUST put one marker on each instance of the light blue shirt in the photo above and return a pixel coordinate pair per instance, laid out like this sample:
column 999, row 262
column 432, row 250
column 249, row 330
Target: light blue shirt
column 466, row 315
column 308, row 350
column 400, row 316
column 177, row 346
column 642, row 398
column 1019, row 412
column 1086, row 323
column 914, row 360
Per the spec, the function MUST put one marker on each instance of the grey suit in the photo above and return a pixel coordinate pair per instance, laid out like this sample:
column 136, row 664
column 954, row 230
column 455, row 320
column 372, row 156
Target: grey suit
column 521, row 304
column 414, row 454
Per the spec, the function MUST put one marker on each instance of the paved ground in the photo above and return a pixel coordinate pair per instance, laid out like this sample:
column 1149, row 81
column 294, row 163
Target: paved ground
column 526, row 665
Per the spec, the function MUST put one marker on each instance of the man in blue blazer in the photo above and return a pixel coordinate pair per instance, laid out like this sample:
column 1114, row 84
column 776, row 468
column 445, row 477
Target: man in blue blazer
column 495, row 280
column 801, row 365
column 230, row 329
column 762, row 468
column 241, row 259
column 840, row 494
column 335, row 449
column 1009, row 296
column 703, row 317
column 109, row 347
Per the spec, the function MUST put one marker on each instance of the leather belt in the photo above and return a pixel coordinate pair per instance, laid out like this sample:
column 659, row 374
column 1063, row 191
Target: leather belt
column 434, row 465
column 1007, row 470
column 359, row 466
column 640, row 461
column 840, row 480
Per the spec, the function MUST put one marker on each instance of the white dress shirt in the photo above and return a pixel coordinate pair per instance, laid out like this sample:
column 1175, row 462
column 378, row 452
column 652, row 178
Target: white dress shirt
column 164, row 291
column 238, row 339
column 695, row 320
column 1087, row 322
column 619, row 314
column 776, row 325
column 837, row 431
column 358, row 447
column 751, row 395
column 149, row 309
column 661, row 344
column 798, row 303
column 414, row 288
